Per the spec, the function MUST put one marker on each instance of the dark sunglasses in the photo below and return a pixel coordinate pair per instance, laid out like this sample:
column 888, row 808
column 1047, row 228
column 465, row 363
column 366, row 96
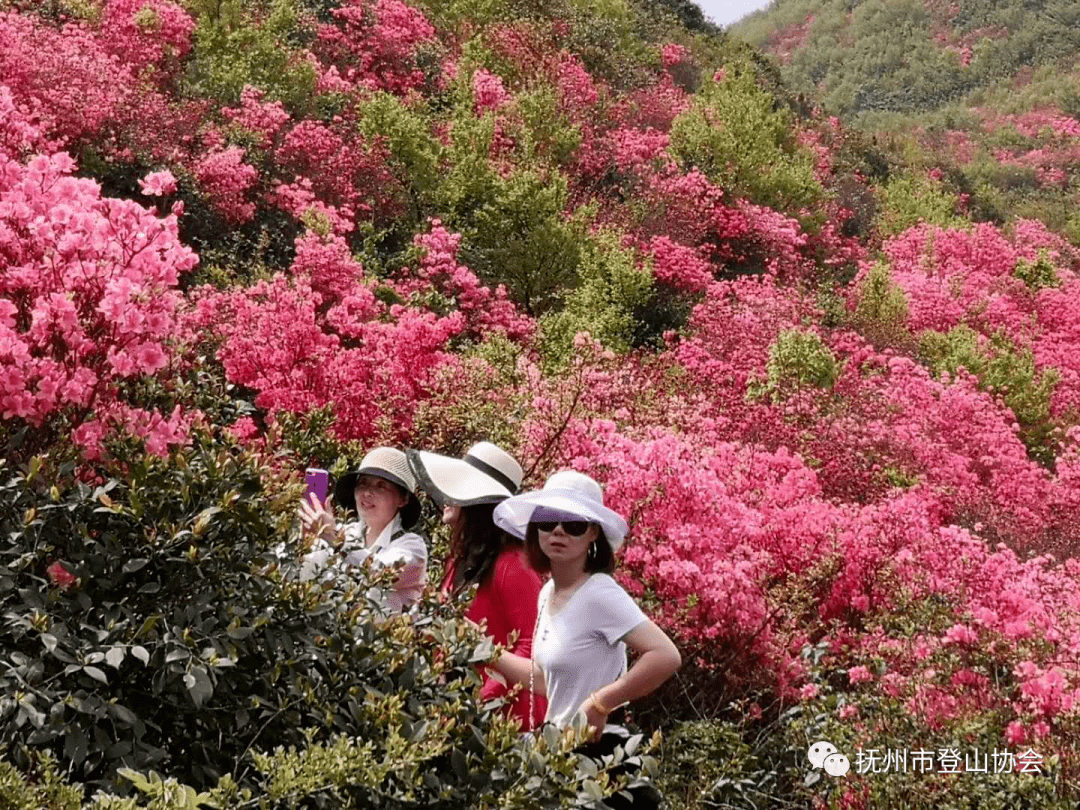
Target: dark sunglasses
column 575, row 528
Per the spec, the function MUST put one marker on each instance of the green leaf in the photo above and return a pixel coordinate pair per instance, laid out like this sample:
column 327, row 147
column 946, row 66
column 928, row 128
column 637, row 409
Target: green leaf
column 459, row 764
column 124, row 714
column 114, row 657
column 96, row 674
column 199, row 686
column 76, row 745
column 135, row 778
column 141, row 653
column 593, row 790
column 134, row 564
column 148, row 625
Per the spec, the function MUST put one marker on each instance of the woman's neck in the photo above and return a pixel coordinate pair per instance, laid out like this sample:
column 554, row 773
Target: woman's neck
column 374, row 531
column 568, row 575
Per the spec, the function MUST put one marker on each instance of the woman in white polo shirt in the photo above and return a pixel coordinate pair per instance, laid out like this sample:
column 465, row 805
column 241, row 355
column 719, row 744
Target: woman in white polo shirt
column 585, row 620
column 382, row 494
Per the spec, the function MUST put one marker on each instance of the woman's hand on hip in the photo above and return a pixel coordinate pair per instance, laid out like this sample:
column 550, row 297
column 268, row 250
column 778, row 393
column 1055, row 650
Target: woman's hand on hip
column 595, row 715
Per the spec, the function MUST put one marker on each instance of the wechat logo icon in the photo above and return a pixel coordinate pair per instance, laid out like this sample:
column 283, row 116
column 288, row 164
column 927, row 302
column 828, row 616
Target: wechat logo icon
column 825, row 755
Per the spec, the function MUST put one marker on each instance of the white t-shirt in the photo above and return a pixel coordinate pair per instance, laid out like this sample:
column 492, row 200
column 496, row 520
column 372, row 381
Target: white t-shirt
column 408, row 548
column 580, row 647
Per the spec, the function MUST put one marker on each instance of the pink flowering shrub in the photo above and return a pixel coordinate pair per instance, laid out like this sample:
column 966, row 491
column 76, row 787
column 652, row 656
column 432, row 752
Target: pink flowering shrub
column 486, row 311
column 322, row 336
column 19, row 134
column 89, row 300
column 488, row 92
column 792, row 484
column 63, row 77
column 264, row 120
column 145, row 33
column 977, row 279
column 749, row 552
column 226, row 180
column 375, row 44
column 158, row 184
column 671, row 54
column 680, row 266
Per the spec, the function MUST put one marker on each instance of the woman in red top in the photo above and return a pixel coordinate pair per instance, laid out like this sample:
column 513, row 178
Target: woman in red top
column 481, row 554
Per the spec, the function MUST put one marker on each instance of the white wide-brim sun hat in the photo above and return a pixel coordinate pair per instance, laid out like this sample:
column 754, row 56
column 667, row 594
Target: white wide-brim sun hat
column 569, row 492
column 486, row 474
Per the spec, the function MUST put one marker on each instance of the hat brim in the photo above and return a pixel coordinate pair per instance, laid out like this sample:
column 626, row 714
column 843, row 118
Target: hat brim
column 452, row 481
column 513, row 514
column 345, row 493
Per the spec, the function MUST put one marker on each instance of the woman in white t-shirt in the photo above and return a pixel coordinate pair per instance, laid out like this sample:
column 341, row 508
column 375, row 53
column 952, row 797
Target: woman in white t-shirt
column 382, row 493
column 585, row 619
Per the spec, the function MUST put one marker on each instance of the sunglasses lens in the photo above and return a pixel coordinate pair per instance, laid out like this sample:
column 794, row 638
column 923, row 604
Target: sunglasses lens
column 576, row 528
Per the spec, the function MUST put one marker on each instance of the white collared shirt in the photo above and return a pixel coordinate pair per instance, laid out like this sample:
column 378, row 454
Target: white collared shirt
column 407, row 548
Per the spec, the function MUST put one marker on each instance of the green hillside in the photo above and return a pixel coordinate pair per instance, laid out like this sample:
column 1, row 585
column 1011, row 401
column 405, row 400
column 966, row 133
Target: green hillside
column 911, row 55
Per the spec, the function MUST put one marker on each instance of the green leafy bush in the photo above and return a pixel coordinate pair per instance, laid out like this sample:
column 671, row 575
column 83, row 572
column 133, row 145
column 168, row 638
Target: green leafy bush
column 515, row 231
column 797, row 360
column 735, row 134
column 150, row 627
column 237, row 44
column 909, row 199
column 881, row 309
column 612, row 286
column 1038, row 274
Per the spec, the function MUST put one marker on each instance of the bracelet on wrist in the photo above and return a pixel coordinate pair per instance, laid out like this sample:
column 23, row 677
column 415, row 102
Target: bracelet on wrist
column 600, row 707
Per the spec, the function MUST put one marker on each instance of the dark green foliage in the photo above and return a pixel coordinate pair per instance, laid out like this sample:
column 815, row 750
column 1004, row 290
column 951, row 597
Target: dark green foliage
column 173, row 640
column 663, row 311
column 612, row 286
column 733, row 763
column 1038, row 274
column 908, row 199
column 236, row 255
column 515, row 233
column 797, row 361
column 46, row 791
column 690, row 15
column 163, row 654
column 882, row 309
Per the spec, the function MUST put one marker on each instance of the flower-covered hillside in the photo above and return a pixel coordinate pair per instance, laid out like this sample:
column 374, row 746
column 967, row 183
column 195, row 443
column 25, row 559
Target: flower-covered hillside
column 240, row 238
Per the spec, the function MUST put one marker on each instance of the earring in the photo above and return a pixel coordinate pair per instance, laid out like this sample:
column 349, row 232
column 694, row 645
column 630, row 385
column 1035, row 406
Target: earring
column 592, row 550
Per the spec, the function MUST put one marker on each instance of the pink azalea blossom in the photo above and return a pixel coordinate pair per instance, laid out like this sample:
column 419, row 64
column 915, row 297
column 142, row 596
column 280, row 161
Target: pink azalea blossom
column 158, row 184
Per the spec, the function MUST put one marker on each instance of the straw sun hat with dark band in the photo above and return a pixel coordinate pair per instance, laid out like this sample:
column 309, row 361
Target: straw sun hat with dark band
column 486, row 474
column 391, row 465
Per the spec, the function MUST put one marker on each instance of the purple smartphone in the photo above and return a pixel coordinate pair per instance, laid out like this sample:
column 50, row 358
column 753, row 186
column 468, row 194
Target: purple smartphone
column 317, row 483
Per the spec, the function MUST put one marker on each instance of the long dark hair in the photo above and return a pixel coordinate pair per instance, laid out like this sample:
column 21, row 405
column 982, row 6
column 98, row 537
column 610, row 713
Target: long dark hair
column 475, row 544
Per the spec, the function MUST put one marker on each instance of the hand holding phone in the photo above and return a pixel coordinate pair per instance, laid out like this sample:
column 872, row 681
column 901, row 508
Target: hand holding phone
column 318, row 480
column 315, row 507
